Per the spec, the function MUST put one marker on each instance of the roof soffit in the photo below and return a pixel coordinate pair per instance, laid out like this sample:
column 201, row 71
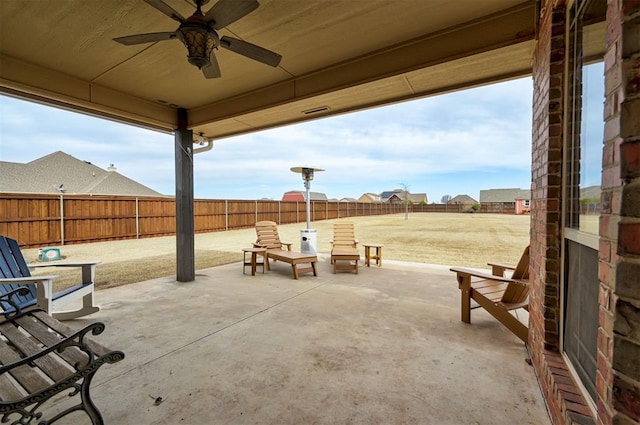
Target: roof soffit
column 70, row 60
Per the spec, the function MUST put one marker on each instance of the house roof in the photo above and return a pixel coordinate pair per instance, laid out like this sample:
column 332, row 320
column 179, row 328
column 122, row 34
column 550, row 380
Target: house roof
column 400, row 194
column 372, row 196
column 62, row 173
column 504, row 195
column 313, row 196
column 590, row 192
column 418, row 197
column 462, row 199
column 510, row 195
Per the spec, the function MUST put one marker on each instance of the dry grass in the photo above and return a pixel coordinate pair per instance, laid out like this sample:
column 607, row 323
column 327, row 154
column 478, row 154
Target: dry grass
column 448, row 239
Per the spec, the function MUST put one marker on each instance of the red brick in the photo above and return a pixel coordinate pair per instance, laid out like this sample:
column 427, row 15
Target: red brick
column 629, row 238
column 626, row 397
column 630, row 159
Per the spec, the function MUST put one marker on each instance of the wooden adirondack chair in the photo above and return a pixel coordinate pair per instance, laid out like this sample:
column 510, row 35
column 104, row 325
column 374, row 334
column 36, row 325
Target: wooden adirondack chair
column 267, row 237
column 497, row 293
column 344, row 247
column 14, row 273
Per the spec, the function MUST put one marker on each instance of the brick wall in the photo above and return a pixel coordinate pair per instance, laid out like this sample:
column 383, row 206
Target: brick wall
column 618, row 357
column 618, row 378
column 546, row 168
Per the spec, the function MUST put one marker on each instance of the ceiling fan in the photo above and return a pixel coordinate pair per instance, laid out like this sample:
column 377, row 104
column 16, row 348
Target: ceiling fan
column 198, row 34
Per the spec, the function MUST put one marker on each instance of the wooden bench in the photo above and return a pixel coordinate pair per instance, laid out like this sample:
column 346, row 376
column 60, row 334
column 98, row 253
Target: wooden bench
column 40, row 358
column 295, row 259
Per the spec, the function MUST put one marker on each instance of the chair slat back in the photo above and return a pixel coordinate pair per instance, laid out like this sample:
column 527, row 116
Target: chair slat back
column 344, row 234
column 522, row 268
column 267, row 235
column 12, row 265
column 518, row 292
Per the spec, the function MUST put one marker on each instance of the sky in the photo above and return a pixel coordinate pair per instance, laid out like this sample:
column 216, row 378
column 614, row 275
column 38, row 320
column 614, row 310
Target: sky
column 457, row 143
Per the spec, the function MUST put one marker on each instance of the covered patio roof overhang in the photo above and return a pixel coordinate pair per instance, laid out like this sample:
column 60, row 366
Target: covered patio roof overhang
column 337, row 56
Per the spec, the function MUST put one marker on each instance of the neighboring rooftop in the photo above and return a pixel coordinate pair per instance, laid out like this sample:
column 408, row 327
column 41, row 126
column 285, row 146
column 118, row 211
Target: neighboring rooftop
column 302, row 195
column 504, row 195
column 463, row 199
column 62, row 173
column 511, row 195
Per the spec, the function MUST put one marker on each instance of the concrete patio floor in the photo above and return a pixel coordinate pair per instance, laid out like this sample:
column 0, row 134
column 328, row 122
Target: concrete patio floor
column 385, row 346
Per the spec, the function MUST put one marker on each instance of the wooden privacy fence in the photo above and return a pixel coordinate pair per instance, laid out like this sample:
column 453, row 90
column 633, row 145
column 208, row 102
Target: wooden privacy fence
column 42, row 220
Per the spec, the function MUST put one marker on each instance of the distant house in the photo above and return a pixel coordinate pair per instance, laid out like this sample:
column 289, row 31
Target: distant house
column 369, row 198
column 397, row 196
column 300, row 196
column 418, row 198
column 520, row 197
column 391, row 197
column 348, row 200
column 62, row 173
column 465, row 200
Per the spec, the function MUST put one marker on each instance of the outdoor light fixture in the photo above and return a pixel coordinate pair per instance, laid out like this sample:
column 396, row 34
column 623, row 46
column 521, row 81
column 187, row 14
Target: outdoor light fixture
column 197, row 36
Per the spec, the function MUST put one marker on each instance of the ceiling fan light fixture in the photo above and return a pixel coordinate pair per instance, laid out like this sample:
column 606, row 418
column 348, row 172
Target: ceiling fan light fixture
column 200, row 40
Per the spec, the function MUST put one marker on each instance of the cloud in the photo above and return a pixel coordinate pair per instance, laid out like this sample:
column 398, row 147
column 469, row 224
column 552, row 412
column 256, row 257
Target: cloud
column 472, row 137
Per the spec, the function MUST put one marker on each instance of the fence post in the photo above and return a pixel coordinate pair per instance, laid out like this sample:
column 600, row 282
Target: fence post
column 137, row 220
column 279, row 214
column 226, row 214
column 256, row 211
column 61, row 220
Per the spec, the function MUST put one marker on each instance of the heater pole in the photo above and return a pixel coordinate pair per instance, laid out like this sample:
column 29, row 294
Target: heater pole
column 307, row 185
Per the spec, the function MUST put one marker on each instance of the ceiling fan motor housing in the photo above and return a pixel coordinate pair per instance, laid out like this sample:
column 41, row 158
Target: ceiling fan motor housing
column 199, row 39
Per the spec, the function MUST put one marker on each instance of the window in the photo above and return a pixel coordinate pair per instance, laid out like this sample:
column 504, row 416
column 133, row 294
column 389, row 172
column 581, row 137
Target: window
column 584, row 132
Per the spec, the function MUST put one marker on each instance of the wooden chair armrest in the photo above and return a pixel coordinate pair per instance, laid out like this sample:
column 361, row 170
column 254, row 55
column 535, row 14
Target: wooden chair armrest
column 475, row 273
column 74, row 264
column 30, row 279
column 498, row 269
column 258, row 245
column 504, row 266
column 288, row 245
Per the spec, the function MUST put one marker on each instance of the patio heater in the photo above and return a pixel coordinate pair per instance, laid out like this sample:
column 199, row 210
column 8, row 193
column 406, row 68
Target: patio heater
column 308, row 239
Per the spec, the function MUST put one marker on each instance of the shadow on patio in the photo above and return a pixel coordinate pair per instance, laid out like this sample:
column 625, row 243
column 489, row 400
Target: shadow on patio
column 383, row 347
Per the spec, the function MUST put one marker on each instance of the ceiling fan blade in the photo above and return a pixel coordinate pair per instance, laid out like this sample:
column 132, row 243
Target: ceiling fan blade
column 213, row 70
column 251, row 51
column 151, row 37
column 226, row 12
column 166, row 9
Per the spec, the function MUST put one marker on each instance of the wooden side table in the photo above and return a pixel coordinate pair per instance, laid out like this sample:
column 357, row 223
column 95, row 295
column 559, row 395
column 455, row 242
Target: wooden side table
column 368, row 256
column 253, row 259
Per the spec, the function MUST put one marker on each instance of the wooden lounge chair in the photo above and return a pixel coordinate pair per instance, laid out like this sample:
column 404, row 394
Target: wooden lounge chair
column 344, row 252
column 497, row 293
column 14, row 274
column 267, row 233
column 267, row 237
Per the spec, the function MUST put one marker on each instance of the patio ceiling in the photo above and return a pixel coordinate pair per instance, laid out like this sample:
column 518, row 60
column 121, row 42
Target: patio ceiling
column 338, row 56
